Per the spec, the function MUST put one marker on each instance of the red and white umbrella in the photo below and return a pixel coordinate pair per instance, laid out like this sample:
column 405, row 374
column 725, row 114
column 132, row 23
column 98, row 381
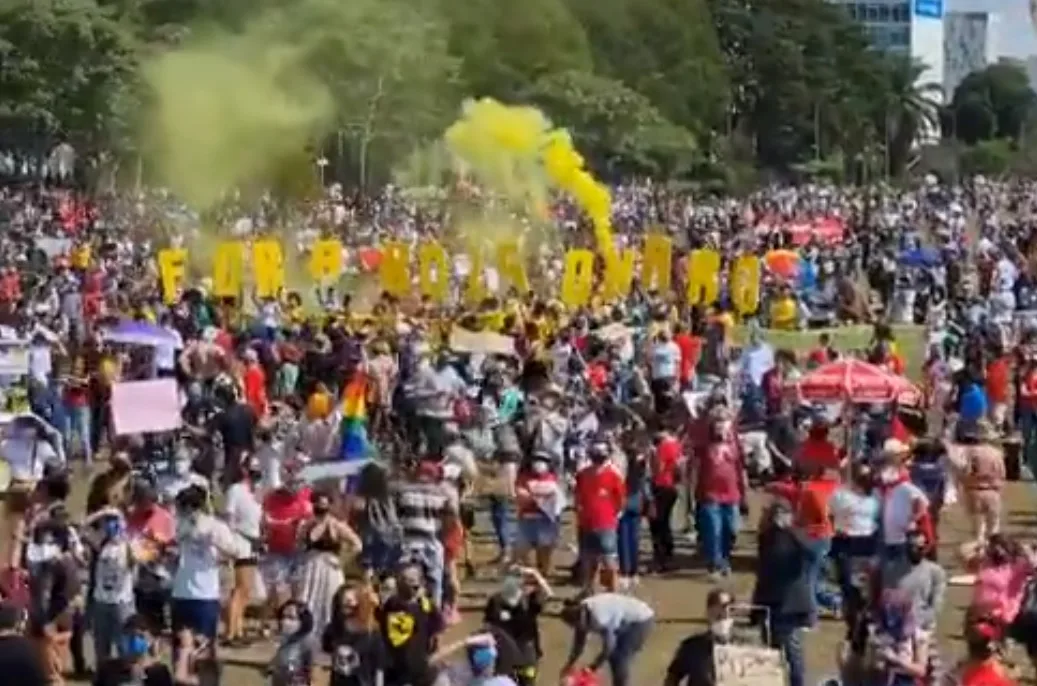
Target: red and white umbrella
column 855, row 381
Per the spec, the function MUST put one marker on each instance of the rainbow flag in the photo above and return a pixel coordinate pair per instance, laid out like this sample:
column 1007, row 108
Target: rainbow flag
column 354, row 420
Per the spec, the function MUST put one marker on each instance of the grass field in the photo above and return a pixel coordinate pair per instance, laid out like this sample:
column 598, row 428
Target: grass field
column 910, row 341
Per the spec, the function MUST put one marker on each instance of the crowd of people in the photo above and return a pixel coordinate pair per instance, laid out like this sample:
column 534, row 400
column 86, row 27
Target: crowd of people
column 671, row 424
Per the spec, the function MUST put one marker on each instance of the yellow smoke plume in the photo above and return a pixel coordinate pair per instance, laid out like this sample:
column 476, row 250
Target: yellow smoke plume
column 515, row 151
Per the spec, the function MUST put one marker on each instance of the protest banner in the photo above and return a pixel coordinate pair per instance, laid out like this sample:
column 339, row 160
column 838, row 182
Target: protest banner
column 747, row 665
column 481, row 342
column 400, row 266
column 145, row 406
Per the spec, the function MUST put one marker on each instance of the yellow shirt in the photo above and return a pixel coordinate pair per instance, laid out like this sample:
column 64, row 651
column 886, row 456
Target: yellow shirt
column 80, row 256
column 783, row 314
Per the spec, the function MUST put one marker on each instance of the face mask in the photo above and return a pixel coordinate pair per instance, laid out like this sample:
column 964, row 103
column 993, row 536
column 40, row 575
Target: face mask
column 540, row 467
column 134, row 646
column 511, row 590
column 783, row 520
column 722, row 628
column 182, row 467
column 112, row 527
column 290, row 627
column 889, row 475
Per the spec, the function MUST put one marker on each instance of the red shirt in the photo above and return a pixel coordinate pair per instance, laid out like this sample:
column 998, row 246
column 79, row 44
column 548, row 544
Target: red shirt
column 667, row 458
column 691, row 348
column 719, row 474
column 819, row 453
column 773, row 390
column 597, row 375
column 283, row 513
column 986, row 673
column 999, row 380
column 812, row 508
column 1028, row 395
column 600, row 494
column 255, row 389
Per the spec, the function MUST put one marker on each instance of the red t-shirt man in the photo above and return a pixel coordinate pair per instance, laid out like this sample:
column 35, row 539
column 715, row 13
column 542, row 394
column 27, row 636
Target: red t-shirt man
column 600, row 494
column 284, row 511
column 667, row 461
column 719, row 475
column 690, row 347
column 254, row 380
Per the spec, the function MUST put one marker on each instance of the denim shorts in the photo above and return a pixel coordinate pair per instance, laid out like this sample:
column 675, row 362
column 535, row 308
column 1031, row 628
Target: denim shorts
column 537, row 531
column 602, row 543
column 278, row 570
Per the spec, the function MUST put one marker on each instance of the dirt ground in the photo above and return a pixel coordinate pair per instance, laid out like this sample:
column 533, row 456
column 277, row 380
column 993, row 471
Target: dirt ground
column 679, row 600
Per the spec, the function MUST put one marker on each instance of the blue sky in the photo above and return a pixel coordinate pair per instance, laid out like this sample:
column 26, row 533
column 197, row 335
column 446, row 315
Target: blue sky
column 1017, row 36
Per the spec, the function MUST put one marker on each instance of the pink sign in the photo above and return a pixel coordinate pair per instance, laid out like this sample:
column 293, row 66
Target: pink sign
column 145, row 406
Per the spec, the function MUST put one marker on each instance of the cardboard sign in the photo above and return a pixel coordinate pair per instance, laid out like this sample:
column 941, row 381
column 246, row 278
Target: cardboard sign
column 481, row 342
column 145, row 406
column 744, row 665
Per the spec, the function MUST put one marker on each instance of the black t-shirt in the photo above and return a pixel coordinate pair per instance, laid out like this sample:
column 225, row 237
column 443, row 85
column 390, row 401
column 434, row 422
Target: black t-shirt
column 520, row 621
column 119, row 672
column 237, row 426
column 692, row 664
column 20, row 662
column 406, row 627
column 356, row 657
column 512, row 660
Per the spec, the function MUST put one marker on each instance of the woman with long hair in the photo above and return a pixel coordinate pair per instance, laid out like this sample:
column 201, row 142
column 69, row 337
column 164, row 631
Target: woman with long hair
column 352, row 640
column 244, row 514
column 373, row 514
column 321, row 574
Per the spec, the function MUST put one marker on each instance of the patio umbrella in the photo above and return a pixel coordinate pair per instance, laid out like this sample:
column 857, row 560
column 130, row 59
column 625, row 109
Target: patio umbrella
column 855, row 381
column 139, row 333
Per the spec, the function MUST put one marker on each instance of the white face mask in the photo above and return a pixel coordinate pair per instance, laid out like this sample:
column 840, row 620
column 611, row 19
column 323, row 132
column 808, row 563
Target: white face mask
column 290, row 627
column 539, row 467
column 889, row 475
column 182, row 467
column 722, row 628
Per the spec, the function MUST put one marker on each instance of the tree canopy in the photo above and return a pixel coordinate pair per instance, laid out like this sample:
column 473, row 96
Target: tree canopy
column 666, row 87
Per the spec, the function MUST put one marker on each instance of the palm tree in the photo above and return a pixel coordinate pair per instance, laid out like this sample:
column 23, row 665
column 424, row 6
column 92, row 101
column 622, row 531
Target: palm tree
column 910, row 111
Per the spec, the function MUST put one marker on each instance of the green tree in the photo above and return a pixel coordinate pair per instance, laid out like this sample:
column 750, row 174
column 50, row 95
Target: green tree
column 1001, row 93
column 616, row 127
column 62, row 61
column 909, row 110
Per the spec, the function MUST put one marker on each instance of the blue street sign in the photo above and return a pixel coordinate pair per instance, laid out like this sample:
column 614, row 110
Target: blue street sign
column 932, row 9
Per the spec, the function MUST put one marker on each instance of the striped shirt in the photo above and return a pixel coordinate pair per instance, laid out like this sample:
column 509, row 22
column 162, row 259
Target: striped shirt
column 421, row 508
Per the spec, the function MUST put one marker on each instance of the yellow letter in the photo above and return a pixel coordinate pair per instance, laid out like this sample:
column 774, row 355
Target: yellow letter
column 228, row 266
column 509, row 266
column 172, row 265
column 619, row 273
column 703, row 273
column 475, row 283
column 326, row 260
column 434, row 271
column 656, row 268
column 745, row 285
column 394, row 271
column 268, row 268
column 578, row 278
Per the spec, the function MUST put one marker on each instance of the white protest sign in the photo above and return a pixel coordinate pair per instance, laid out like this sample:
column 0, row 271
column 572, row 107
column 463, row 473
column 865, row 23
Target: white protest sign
column 145, row 406
column 481, row 342
column 14, row 357
column 745, row 665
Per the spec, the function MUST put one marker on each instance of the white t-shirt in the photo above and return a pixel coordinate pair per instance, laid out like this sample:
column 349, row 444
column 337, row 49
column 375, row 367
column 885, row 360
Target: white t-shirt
column 854, row 514
column 666, row 360
column 113, row 574
column 165, row 355
column 244, row 511
column 898, row 512
column 204, row 544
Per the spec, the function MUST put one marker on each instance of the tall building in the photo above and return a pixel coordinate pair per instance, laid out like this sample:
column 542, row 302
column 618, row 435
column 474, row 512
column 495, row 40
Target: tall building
column 969, row 44
column 914, row 28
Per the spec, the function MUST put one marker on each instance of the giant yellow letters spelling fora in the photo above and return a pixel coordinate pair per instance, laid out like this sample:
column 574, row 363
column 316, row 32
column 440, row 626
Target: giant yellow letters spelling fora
column 434, row 271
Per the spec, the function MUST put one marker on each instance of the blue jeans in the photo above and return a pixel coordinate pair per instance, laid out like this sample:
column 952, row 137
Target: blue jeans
column 819, row 547
column 503, row 520
column 786, row 634
column 628, row 535
column 717, row 524
column 76, row 422
column 630, row 639
column 106, row 623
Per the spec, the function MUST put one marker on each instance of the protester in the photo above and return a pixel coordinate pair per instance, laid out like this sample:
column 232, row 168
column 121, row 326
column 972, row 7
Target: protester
column 624, row 625
column 694, row 662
